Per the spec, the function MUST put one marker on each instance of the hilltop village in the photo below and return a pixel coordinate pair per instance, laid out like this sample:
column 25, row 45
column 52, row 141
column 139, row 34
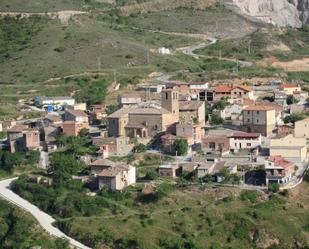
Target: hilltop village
column 225, row 134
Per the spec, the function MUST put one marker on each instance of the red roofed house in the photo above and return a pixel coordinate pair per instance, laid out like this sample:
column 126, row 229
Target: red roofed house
column 244, row 140
column 290, row 89
column 239, row 92
column 278, row 170
column 259, row 118
column 223, row 92
column 236, row 92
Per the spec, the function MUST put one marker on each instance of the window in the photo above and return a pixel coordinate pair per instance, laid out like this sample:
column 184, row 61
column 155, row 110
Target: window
column 235, row 144
column 257, row 112
column 257, row 121
column 248, row 112
column 166, row 95
column 248, row 144
column 248, row 120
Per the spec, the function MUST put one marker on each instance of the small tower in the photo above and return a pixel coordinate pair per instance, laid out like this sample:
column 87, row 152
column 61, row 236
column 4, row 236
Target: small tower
column 170, row 101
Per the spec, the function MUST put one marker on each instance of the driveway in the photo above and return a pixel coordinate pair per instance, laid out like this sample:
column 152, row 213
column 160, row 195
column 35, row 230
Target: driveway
column 44, row 219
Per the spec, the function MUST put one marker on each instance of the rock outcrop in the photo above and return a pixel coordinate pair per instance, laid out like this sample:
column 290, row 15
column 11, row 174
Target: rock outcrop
column 293, row 13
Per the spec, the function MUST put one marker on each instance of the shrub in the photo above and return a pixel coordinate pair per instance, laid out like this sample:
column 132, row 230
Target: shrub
column 139, row 148
column 249, row 195
column 216, row 120
column 274, row 187
column 181, row 146
column 151, row 174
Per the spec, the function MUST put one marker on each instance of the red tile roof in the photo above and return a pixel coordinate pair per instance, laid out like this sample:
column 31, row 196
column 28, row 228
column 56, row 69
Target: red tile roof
column 259, row 108
column 244, row 87
column 280, row 161
column 290, row 85
column 223, row 89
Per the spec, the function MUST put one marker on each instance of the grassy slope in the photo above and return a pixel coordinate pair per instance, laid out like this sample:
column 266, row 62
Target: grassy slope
column 264, row 43
column 192, row 214
column 40, row 6
column 19, row 230
column 215, row 21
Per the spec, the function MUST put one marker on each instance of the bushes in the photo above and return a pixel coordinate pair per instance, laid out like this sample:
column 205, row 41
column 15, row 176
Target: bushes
column 151, row 174
column 181, row 146
column 274, row 187
column 249, row 195
column 9, row 161
column 216, row 120
column 139, row 148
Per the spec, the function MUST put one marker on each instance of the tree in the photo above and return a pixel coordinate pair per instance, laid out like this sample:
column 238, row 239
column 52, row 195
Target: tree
column 220, row 105
column 291, row 100
column 151, row 174
column 139, row 148
column 216, row 120
column 181, row 146
column 293, row 118
column 63, row 166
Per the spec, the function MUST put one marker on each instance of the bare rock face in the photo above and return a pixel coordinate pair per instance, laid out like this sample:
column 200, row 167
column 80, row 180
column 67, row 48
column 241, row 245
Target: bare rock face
column 278, row 12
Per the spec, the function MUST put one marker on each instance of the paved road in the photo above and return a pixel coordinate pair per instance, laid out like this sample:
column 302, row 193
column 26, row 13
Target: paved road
column 44, row 219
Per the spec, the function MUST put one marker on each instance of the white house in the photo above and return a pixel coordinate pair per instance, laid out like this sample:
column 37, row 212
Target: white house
column 245, row 140
column 1, row 127
column 42, row 101
column 164, row 51
column 199, row 85
column 129, row 99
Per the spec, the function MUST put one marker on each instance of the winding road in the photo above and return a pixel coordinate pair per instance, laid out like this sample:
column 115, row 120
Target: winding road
column 45, row 220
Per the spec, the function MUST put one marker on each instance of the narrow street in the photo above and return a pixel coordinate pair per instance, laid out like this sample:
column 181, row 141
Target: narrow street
column 45, row 220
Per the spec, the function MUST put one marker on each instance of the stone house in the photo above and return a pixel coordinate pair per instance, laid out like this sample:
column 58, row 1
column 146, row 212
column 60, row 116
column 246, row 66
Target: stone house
column 301, row 129
column 23, row 138
column 99, row 165
column 193, row 133
column 117, row 178
column 192, row 111
column 294, row 149
column 169, row 170
column 147, row 119
column 285, row 129
column 97, row 112
column 259, row 118
column 216, row 143
column 72, row 128
column 278, row 170
column 167, row 142
column 76, row 115
column 112, row 146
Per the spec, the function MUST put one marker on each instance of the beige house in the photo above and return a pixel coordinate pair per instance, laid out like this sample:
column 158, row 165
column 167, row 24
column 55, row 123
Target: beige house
column 117, row 177
column 259, row 118
column 23, row 138
column 302, row 128
column 112, row 146
column 290, row 147
column 192, row 111
column 147, row 119
column 290, row 89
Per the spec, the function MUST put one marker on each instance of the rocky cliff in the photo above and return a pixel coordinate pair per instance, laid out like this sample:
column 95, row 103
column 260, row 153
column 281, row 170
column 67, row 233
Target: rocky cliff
column 278, row 12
